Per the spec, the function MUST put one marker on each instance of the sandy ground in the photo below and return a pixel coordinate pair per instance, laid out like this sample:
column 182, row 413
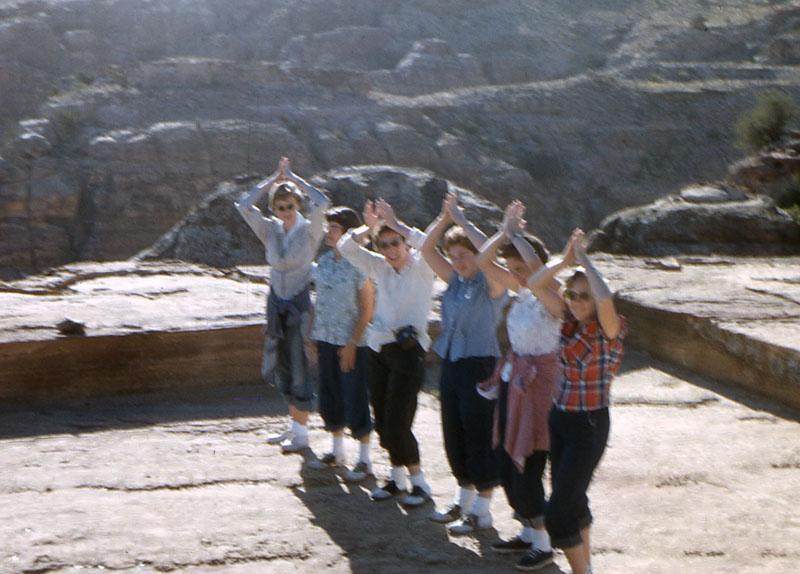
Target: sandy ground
column 693, row 481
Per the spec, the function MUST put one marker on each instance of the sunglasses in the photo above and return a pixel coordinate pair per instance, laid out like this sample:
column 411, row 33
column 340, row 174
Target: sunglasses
column 390, row 243
column 572, row 295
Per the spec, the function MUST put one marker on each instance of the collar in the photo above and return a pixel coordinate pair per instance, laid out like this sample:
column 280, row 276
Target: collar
column 299, row 224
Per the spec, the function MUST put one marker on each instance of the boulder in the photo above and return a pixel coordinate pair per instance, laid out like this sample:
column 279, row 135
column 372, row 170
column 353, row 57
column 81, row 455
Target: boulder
column 708, row 193
column 771, row 173
column 673, row 226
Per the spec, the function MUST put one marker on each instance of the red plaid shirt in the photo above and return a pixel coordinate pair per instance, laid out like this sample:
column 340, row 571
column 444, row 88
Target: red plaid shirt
column 590, row 362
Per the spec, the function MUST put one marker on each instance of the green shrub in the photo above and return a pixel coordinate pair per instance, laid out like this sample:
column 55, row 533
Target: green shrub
column 764, row 125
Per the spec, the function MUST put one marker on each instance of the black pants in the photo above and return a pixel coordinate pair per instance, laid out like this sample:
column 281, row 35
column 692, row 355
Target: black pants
column 524, row 490
column 395, row 378
column 467, row 421
column 577, row 443
column 343, row 397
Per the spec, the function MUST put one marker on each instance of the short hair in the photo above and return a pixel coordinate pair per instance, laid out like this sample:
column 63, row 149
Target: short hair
column 344, row 216
column 508, row 250
column 579, row 273
column 385, row 229
column 283, row 191
column 457, row 236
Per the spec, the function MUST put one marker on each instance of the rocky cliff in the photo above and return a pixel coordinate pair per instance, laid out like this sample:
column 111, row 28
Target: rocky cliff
column 122, row 115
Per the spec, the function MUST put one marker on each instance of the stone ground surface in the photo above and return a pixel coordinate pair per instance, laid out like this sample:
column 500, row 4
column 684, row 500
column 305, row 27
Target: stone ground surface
column 755, row 297
column 693, row 481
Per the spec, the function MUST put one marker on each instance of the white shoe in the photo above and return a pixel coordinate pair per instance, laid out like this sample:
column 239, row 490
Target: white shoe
column 359, row 472
column 329, row 460
column 450, row 514
column 387, row 491
column 279, row 438
column 470, row 524
column 417, row 497
column 297, row 444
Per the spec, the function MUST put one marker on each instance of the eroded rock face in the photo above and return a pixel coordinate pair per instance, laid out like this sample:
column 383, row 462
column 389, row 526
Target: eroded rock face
column 215, row 233
column 674, row 225
column 770, row 173
column 146, row 106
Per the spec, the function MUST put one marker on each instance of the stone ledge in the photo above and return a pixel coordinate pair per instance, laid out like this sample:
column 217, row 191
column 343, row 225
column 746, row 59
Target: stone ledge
column 156, row 326
column 736, row 321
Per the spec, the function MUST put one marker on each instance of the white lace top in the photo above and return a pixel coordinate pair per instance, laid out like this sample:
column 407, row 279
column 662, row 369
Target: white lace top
column 532, row 330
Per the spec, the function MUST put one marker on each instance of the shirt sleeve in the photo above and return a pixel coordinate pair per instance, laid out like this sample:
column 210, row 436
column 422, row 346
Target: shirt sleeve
column 316, row 215
column 253, row 217
column 364, row 260
column 416, row 238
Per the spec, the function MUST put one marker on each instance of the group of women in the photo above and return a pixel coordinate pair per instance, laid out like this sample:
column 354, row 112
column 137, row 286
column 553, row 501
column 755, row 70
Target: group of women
column 526, row 365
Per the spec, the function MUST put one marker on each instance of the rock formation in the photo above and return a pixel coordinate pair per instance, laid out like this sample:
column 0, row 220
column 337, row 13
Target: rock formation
column 216, row 235
column 124, row 115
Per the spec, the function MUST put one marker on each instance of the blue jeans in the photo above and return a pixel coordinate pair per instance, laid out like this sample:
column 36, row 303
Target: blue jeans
column 285, row 364
column 577, row 443
column 467, row 421
column 343, row 397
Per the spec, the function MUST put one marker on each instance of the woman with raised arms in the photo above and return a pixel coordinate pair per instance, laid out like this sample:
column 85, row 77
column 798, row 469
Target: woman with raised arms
column 524, row 381
column 471, row 308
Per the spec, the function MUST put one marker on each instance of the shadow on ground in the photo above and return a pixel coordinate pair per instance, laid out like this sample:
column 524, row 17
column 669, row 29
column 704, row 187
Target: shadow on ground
column 137, row 410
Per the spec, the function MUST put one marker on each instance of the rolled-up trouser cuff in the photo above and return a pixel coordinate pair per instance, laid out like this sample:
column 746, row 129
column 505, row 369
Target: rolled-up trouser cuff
column 300, row 404
column 362, row 432
column 530, row 522
column 567, row 541
column 487, row 485
column 585, row 521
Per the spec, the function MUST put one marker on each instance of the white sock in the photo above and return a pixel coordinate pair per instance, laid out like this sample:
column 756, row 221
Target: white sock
column 419, row 480
column 300, row 431
column 541, row 540
column 363, row 452
column 481, row 506
column 527, row 534
column 400, row 477
column 338, row 447
column 465, row 497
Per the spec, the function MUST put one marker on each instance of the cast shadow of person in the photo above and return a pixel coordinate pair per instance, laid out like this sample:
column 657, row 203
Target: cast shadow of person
column 384, row 536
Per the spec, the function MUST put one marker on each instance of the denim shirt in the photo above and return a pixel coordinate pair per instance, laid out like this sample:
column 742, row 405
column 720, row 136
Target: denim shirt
column 336, row 312
column 469, row 319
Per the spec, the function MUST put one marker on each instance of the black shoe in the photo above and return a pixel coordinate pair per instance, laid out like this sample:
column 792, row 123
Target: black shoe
column 535, row 559
column 512, row 546
column 387, row 491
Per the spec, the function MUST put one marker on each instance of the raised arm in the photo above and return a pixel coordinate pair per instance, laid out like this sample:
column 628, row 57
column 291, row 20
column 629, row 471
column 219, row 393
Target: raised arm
column 513, row 228
column 546, row 274
column 433, row 257
column 386, row 212
column 351, row 248
column 318, row 201
column 246, row 206
column 475, row 235
column 487, row 260
column 606, row 311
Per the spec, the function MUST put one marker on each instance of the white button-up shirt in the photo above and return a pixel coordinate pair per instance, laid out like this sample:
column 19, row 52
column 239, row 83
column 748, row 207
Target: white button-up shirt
column 403, row 297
